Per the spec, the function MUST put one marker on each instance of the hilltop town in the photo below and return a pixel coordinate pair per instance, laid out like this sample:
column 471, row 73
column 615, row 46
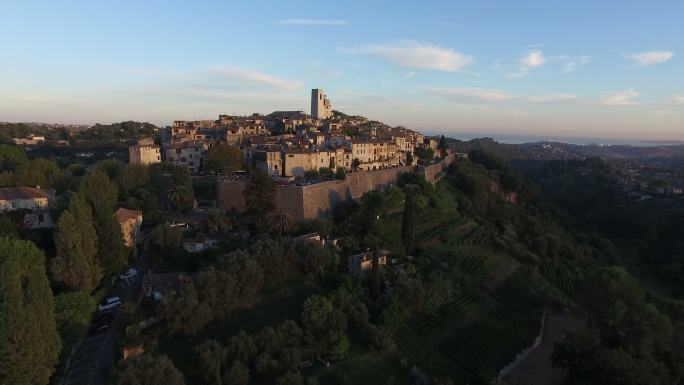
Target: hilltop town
column 289, row 144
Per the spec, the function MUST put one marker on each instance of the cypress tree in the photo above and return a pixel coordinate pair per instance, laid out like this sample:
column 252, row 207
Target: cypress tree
column 29, row 342
column 75, row 241
column 408, row 223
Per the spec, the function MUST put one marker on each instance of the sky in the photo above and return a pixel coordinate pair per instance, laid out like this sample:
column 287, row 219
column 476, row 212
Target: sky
column 585, row 68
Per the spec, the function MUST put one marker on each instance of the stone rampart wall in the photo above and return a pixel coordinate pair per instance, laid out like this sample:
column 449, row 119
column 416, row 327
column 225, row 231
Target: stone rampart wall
column 318, row 200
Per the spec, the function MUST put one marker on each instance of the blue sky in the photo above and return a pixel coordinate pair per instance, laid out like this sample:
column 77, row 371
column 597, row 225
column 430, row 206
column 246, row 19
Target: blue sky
column 599, row 68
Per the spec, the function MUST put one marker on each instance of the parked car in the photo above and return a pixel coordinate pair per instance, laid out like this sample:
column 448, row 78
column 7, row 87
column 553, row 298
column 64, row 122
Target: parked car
column 110, row 303
column 101, row 323
column 130, row 273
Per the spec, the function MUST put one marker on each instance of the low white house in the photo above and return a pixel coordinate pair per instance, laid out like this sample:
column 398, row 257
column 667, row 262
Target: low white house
column 34, row 200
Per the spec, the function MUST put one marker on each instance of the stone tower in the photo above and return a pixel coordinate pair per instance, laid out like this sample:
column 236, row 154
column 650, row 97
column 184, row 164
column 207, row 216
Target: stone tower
column 320, row 105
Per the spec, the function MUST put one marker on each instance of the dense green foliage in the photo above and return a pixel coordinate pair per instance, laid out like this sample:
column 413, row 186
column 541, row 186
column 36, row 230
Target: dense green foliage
column 76, row 265
column 29, row 342
column 223, row 158
column 148, row 369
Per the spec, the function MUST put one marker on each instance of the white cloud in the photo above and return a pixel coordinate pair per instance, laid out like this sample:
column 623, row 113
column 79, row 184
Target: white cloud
column 410, row 74
column 482, row 94
column 643, row 59
column 553, row 98
column 570, row 63
column 660, row 112
column 414, row 54
column 678, row 99
column 623, row 98
column 244, row 75
column 533, row 59
column 313, row 22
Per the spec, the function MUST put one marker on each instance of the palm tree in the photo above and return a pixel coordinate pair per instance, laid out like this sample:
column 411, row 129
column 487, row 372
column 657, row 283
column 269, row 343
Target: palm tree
column 180, row 195
column 281, row 223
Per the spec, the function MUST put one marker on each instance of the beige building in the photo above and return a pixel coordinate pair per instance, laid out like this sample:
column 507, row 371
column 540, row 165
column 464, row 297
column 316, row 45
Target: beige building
column 145, row 152
column 34, row 200
column 298, row 161
column 130, row 222
column 359, row 264
column 269, row 160
column 320, row 105
column 189, row 154
column 374, row 154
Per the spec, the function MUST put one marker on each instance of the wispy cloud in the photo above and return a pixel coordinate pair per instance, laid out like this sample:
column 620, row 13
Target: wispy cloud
column 462, row 94
column 244, row 75
column 313, row 22
column 533, row 59
column 678, row 99
column 644, row 59
column 570, row 63
column 622, row 98
column 410, row 74
column 414, row 54
column 554, row 98
column 660, row 112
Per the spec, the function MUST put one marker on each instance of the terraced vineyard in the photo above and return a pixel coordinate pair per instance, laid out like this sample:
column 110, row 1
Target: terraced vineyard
column 558, row 273
column 478, row 236
column 457, row 307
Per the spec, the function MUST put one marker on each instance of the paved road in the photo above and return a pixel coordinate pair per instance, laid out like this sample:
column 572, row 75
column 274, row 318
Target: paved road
column 98, row 353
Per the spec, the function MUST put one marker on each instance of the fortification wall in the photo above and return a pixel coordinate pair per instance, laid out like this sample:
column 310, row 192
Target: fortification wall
column 318, row 200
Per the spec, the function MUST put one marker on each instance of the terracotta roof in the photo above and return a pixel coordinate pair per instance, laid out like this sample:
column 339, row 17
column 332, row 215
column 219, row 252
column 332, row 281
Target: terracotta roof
column 12, row 193
column 123, row 215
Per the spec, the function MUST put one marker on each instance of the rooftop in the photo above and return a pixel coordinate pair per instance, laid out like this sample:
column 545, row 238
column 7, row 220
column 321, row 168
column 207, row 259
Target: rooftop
column 12, row 193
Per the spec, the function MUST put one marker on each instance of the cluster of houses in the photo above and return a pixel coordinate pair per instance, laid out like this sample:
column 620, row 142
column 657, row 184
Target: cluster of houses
column 287, row 144
column 33, row 204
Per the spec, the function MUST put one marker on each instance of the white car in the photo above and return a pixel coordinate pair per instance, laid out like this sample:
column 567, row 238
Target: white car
column 110, row 303
column 131, row 273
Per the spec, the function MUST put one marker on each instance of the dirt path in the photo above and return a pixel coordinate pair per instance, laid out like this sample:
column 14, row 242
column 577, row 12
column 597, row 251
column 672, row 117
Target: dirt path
column 537, row 369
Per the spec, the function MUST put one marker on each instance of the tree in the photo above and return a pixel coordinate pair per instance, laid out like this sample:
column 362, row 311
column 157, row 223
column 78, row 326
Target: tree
column 326, row 324
column 236, row 374
column 340, row 174
column 148, row 369
column 11, row 157
column 425, row 154
column 29, row 342
column 223, row 158
column 355, row 164
column 218, row 223
column 76, row 245
column 73, row 316
column 260, row 194
column 280, row 223
column 180, row 192
column 409, row 158
column 100, row 193
column 212, row 357
column 132, row 178
column 442, row 147
column 372, row 204
column 7, row 226
column 111, row 252
column 166, row 237
column 408, row 223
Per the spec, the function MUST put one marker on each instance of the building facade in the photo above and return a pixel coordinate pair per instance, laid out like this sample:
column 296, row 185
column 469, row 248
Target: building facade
column 189, row 154
column 35, row 201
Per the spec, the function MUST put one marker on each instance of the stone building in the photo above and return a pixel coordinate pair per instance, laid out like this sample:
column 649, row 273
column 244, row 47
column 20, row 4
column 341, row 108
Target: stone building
column 145, row 152
column 189, row 154
column 130, row 222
